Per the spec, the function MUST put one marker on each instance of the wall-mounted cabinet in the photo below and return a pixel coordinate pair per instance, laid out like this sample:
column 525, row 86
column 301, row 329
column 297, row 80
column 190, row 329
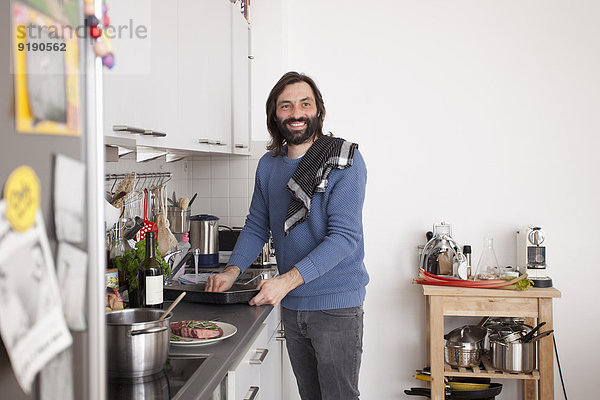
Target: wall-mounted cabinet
column 185, row 78
column 240, row 74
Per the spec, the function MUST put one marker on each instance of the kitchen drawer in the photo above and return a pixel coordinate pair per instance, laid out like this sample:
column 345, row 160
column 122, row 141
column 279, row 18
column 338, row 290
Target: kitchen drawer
column 246, row 375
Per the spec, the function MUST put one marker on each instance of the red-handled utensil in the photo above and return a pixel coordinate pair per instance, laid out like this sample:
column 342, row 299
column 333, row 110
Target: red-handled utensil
column 149, row 226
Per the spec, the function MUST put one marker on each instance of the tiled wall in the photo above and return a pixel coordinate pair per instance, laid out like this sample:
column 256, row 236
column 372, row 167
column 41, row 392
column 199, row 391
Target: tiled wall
column 224, row 183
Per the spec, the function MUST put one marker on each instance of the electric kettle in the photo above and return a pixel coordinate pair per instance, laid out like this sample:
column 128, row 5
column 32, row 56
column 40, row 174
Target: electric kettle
column 204, row 239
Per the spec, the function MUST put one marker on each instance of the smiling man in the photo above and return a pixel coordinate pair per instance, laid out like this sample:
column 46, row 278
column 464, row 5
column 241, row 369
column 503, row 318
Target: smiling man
column 308, row 194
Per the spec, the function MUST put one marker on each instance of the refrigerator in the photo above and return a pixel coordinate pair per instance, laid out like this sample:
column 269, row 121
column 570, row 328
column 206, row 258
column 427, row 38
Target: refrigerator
column 39, row 151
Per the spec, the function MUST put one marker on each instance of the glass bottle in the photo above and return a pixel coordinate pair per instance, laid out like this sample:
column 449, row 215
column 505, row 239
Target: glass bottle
column 487, row 267
column 150, row 277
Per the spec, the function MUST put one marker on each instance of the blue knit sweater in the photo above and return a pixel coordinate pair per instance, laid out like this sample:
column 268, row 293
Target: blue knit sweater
column 327, row 248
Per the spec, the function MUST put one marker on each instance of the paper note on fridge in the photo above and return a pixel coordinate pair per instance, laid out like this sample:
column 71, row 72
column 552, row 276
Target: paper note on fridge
column 31, row 320
column 71, row 268
column 69, row 191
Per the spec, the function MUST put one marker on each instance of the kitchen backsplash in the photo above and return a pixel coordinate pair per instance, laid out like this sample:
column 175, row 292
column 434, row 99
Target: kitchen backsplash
column 224, row 183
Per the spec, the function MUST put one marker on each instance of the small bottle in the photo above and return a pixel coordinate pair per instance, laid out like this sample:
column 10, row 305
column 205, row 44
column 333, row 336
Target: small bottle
column 487, row 267
column 150, row 277
column 467, row 252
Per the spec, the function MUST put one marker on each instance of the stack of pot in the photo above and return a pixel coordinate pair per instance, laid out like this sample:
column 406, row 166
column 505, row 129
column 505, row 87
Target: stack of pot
column 515, row 351
column 463, row 347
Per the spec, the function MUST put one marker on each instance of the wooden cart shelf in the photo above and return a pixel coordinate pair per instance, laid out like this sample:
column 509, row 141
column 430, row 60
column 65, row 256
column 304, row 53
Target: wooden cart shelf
column 486, row 370
column 534, row 305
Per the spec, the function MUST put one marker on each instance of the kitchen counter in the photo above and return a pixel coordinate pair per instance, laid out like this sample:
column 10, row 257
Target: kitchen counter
column 223, row 355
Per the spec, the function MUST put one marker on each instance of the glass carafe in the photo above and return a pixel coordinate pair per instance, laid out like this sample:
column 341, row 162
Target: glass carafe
column 487, row 267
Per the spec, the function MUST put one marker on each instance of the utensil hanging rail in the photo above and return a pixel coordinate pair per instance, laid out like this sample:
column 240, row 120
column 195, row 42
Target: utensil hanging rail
column 165, row 176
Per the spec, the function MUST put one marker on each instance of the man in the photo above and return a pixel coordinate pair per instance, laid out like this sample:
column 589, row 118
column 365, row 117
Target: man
column 309, row 193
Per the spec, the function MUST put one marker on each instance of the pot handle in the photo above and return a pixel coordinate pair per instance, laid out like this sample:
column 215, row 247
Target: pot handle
column 149, row 330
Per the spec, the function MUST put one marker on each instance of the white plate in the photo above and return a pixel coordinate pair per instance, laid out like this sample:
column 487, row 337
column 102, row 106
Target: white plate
column 228, row 331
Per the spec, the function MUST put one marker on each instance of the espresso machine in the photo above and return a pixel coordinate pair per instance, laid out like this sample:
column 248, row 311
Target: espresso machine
column 531, row 255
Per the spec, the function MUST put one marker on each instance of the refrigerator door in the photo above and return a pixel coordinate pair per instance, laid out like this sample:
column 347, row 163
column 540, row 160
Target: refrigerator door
column 38, row 151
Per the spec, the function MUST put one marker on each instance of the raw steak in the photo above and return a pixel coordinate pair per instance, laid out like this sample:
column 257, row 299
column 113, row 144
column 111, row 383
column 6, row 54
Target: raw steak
column 196, row 329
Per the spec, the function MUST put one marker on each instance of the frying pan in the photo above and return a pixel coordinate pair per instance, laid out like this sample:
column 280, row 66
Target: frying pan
column 452, row 394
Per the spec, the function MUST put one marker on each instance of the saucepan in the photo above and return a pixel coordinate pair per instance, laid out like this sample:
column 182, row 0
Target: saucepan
column 137, row 342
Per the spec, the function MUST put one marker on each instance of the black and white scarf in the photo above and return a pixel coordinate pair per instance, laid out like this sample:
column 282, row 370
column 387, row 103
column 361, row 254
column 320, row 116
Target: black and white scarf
column 311, row 175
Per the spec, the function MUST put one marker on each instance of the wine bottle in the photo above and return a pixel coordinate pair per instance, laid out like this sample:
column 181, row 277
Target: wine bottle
column 150, row 277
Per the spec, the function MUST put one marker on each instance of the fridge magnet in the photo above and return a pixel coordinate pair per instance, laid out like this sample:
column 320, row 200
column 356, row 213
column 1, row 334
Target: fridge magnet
column 22, row 196
column 69, row 199
column 32, row 325
column 46, row 74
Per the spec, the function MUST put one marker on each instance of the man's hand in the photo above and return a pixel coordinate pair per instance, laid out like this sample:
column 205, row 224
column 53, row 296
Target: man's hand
column 272, row 291
column 224, row 280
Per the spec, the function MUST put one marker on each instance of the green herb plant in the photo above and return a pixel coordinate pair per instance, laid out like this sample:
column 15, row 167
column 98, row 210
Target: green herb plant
column 129, row 263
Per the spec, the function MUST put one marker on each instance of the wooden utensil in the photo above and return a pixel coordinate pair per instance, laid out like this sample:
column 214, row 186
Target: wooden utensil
column 177, row 300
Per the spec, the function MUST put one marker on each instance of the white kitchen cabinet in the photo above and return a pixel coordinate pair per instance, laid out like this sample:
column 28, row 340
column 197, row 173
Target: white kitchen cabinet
column 204, row 72
column 185, row 73
column 258, row 374
column 141, row 89
column 240, row 78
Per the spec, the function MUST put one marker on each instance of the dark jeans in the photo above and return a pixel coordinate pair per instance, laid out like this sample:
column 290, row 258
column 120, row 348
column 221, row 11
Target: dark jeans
column 325, row 349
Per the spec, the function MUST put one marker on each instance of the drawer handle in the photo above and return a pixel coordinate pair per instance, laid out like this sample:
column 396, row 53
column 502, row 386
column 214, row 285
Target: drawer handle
column 241, row 146
column 261, row 358
column 280, row 335
column 252, row 393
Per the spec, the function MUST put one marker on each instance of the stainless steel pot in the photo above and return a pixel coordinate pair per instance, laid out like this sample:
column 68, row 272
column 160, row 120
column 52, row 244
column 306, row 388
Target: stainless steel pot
column 179, row 220
column 463, row 347
column 513, row 356
column 137, row 343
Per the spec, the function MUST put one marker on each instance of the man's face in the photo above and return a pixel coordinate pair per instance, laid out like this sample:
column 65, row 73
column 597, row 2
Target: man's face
column 296, row 113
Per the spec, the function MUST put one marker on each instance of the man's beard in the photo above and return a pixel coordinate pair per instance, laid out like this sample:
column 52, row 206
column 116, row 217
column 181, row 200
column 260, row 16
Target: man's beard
column 300, row 137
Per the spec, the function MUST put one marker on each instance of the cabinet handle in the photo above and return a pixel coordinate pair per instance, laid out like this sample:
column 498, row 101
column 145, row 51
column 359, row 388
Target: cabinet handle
column 261, row 358
column 126, row 128
column 251, row 57
column 252, row 393
column 150, row 132
column 212, row 141
column 281, row 335
column 241, row 146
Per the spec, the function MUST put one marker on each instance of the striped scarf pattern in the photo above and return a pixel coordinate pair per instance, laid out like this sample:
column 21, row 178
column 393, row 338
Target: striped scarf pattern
column 311, row 175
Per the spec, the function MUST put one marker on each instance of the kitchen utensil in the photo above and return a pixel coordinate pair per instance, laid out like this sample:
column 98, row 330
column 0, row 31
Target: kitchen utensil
column 184, row 202
column 489, row 393
column 172, row 306
column 149, row 226
column 541, row 335
column 204, row 236
column 137, row 342
column 439, row 254
column 529, row 336
column 174, row 204
column 130, row 233
column 238, row 293
column 179, row 220
column 192, row 199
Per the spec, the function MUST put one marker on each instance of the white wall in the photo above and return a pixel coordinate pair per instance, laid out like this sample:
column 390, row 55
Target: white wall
column 480, row 113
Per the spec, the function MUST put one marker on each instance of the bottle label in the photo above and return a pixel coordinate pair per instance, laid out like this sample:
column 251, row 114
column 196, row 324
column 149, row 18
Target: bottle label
column 154, row 290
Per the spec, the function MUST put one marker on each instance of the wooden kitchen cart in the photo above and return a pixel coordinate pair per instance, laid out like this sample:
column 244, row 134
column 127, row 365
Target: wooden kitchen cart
column 533, row 304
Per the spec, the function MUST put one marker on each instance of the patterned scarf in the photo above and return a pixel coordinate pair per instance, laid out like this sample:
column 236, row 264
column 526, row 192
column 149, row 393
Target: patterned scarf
column 311, row 175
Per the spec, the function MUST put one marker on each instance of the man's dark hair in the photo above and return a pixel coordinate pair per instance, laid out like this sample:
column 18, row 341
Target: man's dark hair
column 277, row 141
